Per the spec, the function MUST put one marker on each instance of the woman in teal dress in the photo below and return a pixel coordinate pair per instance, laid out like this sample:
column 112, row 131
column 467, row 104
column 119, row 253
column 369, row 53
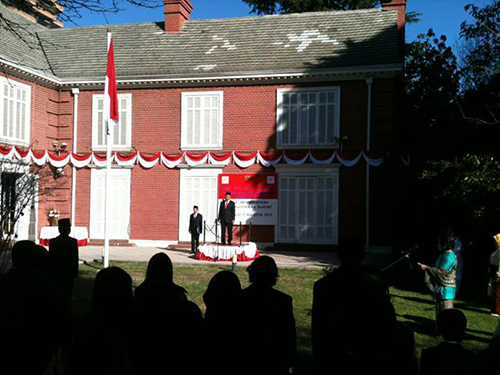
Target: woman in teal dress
column 442, row 277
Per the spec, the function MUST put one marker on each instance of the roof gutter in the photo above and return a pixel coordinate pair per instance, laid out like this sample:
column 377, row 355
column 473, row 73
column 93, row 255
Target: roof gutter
column 250, row 76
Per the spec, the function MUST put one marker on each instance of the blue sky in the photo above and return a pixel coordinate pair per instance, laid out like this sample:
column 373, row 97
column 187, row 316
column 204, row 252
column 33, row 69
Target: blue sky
column 444, row 16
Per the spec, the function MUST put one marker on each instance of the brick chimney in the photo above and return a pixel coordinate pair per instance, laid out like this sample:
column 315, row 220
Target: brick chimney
column 176, row 12
column 400, row 6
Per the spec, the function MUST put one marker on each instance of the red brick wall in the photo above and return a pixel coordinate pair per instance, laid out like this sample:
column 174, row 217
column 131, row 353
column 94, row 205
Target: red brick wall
column 249, row 125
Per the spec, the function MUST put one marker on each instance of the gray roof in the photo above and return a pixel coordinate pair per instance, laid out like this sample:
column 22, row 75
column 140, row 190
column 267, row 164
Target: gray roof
column 19, row 42
column 263, row 44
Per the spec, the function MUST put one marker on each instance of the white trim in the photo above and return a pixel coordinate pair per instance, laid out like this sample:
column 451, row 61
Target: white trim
column 152, row 243
column 311, row 89
column 27, row 114
column 184, row 97
column 76, row 92
column 95, row 101
column 387, row 68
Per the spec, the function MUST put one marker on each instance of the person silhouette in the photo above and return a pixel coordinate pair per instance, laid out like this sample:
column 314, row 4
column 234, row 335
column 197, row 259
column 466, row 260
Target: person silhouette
column 374, row 340
column 449, row 357
column 223, row 307
column 33, row 320
column 102, row 345
column 270, row 323
column 63, row 251
column 159, row 282
column 332, row 297
column 166, row 325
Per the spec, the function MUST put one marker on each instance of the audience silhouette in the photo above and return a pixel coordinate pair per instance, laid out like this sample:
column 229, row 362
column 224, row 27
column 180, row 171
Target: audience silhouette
column 223, row 311
column 168, row 327
column 332, row 296
column 102, row 344
column 159, row 331
column 270, row 324
column 449, row 357
column 33, row 321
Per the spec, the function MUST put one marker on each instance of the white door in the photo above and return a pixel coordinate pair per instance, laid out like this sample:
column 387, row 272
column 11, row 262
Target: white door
column 308, row 209
column 198, row 188
column 119, row 204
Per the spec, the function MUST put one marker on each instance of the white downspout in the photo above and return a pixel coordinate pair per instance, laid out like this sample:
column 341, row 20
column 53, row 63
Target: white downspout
column 369, row 82
column 75, row 92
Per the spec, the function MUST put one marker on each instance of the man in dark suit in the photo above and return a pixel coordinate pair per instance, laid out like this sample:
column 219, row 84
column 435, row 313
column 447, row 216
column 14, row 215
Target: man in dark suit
column 195, row 228
column 63, row 252
column 226, row 218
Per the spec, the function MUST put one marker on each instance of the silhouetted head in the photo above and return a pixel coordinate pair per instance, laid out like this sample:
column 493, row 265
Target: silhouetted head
column 64, row 226
column 160, row 268
column 224, row 286
column 451, row 324
column 263, row 271
column 351, row 252
column 26, row 255
column 112, row 290
column 445, row 242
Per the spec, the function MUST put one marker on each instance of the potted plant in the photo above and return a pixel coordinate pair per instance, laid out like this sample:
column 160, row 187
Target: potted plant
column 53, row 216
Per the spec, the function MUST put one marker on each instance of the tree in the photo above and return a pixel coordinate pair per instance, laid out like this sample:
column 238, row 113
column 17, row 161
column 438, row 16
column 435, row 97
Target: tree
column 480, row 102
column 21, row 185
column 300, row 6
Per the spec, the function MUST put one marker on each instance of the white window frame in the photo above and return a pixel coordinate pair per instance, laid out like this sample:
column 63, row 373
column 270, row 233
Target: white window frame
column 95, row 145
column 315, row 171
column 279, row 113
column 185, row 96
column 27, row 115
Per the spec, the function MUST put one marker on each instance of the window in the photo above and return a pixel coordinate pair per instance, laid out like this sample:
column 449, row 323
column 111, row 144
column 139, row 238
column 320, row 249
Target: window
column 122, row 132
column 14, row 112
column 202, row 120
column 308, row 206
column 308, row 117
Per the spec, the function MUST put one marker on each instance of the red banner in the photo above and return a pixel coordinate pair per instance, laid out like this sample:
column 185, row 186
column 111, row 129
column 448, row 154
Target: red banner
column 249, row 185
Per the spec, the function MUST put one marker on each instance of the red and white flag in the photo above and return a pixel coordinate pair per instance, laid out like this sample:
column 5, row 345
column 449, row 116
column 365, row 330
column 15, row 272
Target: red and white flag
column 111, row 113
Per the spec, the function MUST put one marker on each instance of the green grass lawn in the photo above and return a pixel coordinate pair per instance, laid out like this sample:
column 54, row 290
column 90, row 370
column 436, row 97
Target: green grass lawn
column 414, row 309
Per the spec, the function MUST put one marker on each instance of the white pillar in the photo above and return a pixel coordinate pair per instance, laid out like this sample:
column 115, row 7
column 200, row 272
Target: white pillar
column 76, row 93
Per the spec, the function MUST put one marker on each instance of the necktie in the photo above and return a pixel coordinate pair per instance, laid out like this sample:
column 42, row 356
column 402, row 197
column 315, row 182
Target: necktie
column 227, row 202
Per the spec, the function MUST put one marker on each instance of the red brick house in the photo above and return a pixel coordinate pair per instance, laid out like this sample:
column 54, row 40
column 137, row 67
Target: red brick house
column 296, row 88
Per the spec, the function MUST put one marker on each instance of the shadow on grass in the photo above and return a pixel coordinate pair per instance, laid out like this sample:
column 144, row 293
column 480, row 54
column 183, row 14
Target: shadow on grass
column 427, row 326
column 414, row 299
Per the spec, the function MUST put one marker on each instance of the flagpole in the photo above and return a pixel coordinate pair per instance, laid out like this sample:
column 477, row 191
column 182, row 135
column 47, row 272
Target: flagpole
column 109, row 128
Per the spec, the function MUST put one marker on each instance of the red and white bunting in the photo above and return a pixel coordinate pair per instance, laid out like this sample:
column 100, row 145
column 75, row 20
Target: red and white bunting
column 147, row 161
column 126, row 161
column 219, row 159
column 194, row 160
column 296, row 160
column 171, row 161
column 268, row 161
column 244, row 161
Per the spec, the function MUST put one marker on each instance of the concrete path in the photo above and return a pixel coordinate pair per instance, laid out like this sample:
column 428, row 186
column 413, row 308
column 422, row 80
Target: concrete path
column 143, row 254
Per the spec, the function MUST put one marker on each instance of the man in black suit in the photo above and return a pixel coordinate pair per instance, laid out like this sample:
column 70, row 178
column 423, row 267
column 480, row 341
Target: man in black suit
column 226, row 218
column 63, row 254
column 195, row 228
